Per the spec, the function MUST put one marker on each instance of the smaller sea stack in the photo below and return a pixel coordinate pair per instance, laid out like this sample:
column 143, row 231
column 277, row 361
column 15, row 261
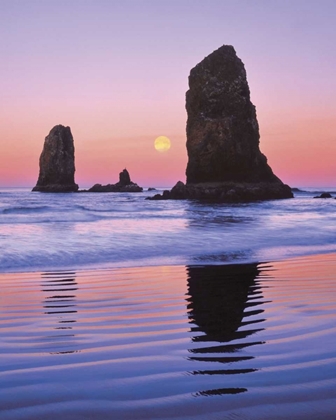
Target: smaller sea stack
column 57, row 162
column 124, row 185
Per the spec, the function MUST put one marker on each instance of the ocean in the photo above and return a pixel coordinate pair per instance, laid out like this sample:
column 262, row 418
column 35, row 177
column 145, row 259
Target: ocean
column 79, row 230
column 117, row 307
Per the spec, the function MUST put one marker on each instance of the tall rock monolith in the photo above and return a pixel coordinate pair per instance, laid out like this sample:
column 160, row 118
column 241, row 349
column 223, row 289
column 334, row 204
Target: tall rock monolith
column 224, row 159
column 222, row 126
column 57, row 162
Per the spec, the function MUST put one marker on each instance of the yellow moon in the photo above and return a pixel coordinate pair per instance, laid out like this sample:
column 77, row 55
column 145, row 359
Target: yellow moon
column 162, row 144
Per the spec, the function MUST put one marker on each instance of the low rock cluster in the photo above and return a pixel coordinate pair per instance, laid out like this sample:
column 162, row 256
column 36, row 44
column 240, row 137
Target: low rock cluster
column 228, row 192
column 124, row 185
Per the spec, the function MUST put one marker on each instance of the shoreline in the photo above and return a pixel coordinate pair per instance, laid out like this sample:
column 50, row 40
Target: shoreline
column 164, row 262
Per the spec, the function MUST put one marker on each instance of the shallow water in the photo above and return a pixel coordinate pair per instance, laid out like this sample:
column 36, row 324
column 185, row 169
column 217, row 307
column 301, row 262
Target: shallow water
column 170, row 342
column 57, row 231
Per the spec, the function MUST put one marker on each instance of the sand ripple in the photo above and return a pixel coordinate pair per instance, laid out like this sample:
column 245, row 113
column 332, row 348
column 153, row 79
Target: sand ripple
column 198, row 342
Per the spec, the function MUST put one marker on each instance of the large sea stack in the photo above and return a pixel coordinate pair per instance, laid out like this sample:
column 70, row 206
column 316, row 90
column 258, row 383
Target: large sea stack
column 57, row 162
column 224, row 160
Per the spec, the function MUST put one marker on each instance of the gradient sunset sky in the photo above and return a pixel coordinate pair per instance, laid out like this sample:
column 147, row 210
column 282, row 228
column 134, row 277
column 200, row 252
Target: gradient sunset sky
column 116, row 72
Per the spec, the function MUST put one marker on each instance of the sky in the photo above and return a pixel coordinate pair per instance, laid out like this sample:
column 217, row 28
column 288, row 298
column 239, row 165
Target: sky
column 116, row 72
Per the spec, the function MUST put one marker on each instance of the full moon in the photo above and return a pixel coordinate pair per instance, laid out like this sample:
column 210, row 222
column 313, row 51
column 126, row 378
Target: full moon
column 162, row 144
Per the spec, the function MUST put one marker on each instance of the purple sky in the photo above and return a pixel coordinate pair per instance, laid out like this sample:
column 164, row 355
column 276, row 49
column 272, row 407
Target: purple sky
column 116, row 72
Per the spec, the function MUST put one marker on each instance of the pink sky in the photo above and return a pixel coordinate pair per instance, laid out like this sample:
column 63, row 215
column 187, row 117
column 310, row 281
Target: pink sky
column 117, row 73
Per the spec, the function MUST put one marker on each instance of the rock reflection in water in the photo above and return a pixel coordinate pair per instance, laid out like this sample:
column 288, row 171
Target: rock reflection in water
column 60, row 303
column 222, row 307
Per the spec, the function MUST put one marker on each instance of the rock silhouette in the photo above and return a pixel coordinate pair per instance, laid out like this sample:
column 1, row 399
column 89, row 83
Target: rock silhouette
column 57, row 162
column 224, row 159
column 324, row 195
column 124, row 178
column 222, row 127
column 124, row 185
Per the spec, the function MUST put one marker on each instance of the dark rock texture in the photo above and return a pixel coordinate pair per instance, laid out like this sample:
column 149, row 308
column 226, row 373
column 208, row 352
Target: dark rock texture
column 224, row 160
column 222, row 127
column 124, row 178
column 124, row 185
column 226, row 192
column 57, row 162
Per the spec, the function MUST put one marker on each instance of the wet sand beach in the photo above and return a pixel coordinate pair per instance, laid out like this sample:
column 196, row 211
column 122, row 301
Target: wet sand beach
column 244, row 341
